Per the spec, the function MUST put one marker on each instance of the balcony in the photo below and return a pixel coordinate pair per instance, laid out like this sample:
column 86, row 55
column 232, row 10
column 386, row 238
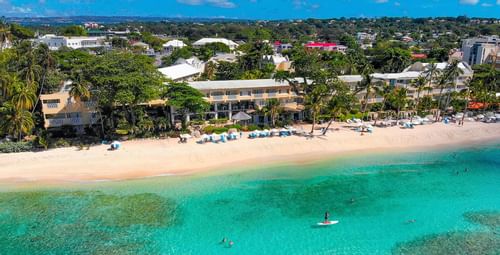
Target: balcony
column 76, row 121
column 52, row 105
column 54, row 122
column 232, row 97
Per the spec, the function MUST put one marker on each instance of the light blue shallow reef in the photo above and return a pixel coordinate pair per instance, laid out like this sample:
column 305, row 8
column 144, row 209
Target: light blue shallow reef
column 433, row 202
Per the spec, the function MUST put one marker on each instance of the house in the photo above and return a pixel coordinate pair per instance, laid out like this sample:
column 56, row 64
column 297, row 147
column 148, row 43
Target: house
column 224, row 57
column 279, row 47
column 325, row 46
column 60, row 109
column 140, row 45
column 194, row 62
column 76, row 42
column 282, row 63
column 181, row 72
column 204, row 41
column 172, row 45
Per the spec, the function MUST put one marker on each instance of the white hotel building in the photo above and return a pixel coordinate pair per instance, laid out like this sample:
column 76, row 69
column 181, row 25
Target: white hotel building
column 75, row 42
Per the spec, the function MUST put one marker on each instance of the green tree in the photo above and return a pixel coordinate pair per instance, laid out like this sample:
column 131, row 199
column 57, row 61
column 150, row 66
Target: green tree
column 74, row 31
column 273, row 109
column 15, row 121
column 185, row 100
column 184, row 53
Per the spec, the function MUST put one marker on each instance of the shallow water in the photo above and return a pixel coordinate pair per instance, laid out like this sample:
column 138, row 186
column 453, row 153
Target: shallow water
column 431, row 202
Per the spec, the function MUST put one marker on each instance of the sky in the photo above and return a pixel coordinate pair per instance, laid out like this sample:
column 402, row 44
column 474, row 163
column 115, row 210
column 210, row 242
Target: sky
column 251, row 9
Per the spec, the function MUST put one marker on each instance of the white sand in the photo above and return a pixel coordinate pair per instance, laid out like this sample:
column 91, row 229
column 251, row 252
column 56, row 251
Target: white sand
column 146, row 158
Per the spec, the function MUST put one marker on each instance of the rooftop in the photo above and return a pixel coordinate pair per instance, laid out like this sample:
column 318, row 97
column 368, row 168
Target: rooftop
column 180, row 71
column 237, row 84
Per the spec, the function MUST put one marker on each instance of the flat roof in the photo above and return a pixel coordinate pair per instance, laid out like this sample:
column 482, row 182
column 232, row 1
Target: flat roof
column 237, row 84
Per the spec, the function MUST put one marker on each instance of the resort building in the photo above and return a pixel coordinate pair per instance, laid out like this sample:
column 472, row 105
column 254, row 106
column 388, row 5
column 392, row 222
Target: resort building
column 230, row 97
column 181, row 72
column 416, row 70
column 204, row 41
column 60, row 109
column 55, row 42
column 477, row 50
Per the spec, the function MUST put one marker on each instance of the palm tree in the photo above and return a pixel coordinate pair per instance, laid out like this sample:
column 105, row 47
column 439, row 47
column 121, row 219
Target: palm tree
column 431, row 73
column 420, row 84
column 273, row 109
column 400, row 99
column 46, row 62
column 452, row 72
column 23, row 97
column 6, row 85
column 383, row 89
column 16, row 121
column 367, row 85
column 210, row 69
column 80, row 89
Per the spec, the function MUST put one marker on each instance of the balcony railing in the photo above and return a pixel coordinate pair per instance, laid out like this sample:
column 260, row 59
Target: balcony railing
column 53, row 105
column 55, row 122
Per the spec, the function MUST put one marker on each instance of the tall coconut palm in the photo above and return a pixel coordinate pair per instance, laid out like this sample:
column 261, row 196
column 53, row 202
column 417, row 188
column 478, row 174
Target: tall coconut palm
column 384, row 90
column 24, row 96
column 367, row 85
column 431, row 73
column 399, row 99
column 79, row 88
column 420, row 84
column 29, row 69
column 46, row 62
column 15, row 121
column 452, row 72
column 273, row 109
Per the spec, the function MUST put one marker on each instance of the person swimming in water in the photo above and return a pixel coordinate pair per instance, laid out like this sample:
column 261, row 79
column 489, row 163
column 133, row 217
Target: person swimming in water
column 224, row 240
column 231, row 243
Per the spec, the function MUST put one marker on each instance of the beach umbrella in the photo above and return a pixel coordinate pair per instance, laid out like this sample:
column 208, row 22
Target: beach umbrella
column 241, row 116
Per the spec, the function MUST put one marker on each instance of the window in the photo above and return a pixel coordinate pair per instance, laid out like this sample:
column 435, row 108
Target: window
column 73, row 115
column 55, row 116
column 245, row 92
column 51, row 101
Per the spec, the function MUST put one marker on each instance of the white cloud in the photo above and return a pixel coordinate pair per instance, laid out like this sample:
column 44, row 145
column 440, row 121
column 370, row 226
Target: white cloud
column 498, row 2
column 469, row 2
column 486, row 5
column 381, row 1
column 216, row 3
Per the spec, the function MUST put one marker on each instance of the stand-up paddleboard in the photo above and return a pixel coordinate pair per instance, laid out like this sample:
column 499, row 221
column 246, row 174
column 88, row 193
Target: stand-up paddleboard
column 328, row 223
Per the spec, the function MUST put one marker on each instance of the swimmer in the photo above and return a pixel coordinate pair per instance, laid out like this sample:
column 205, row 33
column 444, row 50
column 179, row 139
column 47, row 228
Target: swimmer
column 465, row 170
column 224, row 240
column 411, row 221
column 231, row 243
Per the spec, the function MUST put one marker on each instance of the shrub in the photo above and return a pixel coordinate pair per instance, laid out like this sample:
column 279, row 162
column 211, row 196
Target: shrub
column 216, row 130
column 196, row 122
column 218, row 121
column 237, row 126
column 61, row 143
column 12, row 147
column 252, row 127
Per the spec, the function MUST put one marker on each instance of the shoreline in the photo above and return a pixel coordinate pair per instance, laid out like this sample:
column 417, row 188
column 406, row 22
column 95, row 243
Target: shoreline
column 141, row 159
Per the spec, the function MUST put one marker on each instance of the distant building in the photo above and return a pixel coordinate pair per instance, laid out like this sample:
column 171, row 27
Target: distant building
column 325, row 46
column 173, row 45
column 365, row 38
column 91, row 25
column 477, row 50
column 140, row 45
column 204, row 41
column 279, row 47
column 76, row 42
column 181, row 72
column 282, row 63
column 455, row 55
column 194, row 62
column 492, row 59
column 224, row 57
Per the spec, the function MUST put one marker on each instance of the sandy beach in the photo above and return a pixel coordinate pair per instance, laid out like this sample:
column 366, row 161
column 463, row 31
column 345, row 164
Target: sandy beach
column 147, row 158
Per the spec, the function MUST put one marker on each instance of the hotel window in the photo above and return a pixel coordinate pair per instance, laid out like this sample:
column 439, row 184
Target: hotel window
column 73, row 115
column 258, row 91
column 245, row 92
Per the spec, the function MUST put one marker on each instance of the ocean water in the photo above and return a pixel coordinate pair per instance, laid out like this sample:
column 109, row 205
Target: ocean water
column 432, row 202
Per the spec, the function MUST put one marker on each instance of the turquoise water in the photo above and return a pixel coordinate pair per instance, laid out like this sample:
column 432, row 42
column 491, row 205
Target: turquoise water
column 273, row 210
